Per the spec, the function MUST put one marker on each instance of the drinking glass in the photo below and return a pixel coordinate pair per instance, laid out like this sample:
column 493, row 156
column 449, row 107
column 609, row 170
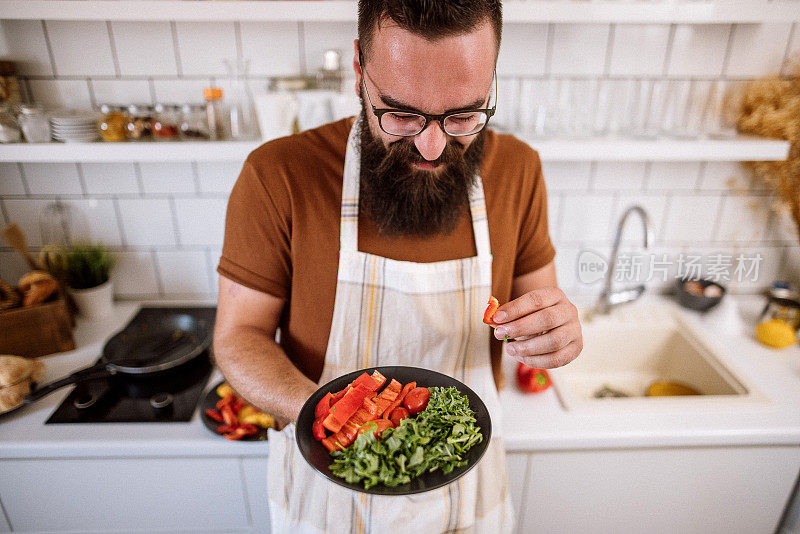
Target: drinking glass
column 724, row 105
column 686, row 108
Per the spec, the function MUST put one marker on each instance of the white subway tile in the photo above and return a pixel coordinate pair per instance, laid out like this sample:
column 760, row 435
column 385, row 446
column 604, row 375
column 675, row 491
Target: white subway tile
column 681, row 176
column 742, row 269
column 758, row 49
column 167, row 177
column 110, row 178
column 320, row 36
column 553, row 215
column 523, row 51
column 579, row 49
column 144, row 48
column 61, row 93
column 11, row 180
column 744, row 218
column 661, row 265
column 134, row 274
column 614, row 175
column 794, row 52
column 566, row 176
column 27, row 45
column 507, row 116
column 147, row 222
column 201, row 221
column 52, row 178
column 724, row 176
column 180, row 91
column 81, row 48
column 639, row 49
column 273, row 48
column 698, row 50
column 183, row 271
column 791, row 266
column 218, row 177
column 94, row 220
column 586, row 218
column 215, row 254
column 204, row 45
column 654, row 205
column 121, row 91
column 691, row 218
column 26, row 213
column 566, row 262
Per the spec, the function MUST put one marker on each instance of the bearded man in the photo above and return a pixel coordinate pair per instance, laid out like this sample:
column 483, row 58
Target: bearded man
column 377, row 240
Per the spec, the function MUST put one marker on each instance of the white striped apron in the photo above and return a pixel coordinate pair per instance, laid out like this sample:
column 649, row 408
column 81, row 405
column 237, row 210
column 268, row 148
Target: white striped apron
column 390, row 312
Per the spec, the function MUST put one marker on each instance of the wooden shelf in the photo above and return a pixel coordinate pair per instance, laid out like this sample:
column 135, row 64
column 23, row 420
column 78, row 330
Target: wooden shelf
column 515, row 11
column 740, row 149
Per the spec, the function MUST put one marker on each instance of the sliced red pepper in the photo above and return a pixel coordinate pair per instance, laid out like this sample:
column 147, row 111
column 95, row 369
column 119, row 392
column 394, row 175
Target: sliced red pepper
column 227, row 400
column 490, row 309
column 388, row 396
column 215, row 415
column 250, row 428
column 228, row 416
column 379, row 426
column 345, row 408
column 372, row 383
column 323, row 406
column 237, row 434
column 318, row 430
column 237, row 405
column 399, row 400
column 224, row 429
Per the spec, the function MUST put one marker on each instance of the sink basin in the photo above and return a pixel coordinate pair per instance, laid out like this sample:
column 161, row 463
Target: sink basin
column 637, row 345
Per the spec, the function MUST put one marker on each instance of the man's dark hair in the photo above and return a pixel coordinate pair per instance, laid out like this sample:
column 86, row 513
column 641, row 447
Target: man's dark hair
column 432, row 19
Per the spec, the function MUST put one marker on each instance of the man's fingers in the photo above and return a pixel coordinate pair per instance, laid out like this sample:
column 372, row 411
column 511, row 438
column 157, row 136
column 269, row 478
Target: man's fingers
column 554, row 340
column 537, row 322
column 555, row 359
column 528, row 303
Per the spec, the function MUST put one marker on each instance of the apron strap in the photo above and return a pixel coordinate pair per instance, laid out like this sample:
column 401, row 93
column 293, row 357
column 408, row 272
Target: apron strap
column 348, row 234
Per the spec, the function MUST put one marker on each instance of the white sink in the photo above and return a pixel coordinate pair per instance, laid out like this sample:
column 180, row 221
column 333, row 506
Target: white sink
column 638, row 344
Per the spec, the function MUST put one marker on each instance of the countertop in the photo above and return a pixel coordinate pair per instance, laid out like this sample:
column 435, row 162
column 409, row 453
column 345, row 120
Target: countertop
column 530, row 422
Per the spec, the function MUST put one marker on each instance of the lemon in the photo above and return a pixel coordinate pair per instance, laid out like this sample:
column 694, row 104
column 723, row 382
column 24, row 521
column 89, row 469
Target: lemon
column 775, row 333
column 669, row 389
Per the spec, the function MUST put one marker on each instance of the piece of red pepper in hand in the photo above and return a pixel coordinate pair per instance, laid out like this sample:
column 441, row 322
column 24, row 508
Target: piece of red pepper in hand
column 490, row 309
column 532, row 380
column 215, row 415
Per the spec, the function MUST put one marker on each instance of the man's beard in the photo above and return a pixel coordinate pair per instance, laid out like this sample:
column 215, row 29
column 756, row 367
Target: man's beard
column 404, row 200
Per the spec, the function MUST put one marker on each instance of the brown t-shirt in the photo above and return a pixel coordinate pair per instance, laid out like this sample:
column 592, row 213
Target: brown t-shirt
column 282, row 230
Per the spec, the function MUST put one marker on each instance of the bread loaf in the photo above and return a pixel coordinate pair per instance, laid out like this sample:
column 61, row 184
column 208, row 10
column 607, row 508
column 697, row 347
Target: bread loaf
column 37, row 286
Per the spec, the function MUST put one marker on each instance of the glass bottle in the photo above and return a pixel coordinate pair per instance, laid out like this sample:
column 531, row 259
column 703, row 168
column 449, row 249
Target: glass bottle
column 193, row 123
column 34, row 123
column 241, row 110
column 112, row 124
column 215, row 113
column 139, row 123
column 165, row 122
column 9, row 127
column 330, row 76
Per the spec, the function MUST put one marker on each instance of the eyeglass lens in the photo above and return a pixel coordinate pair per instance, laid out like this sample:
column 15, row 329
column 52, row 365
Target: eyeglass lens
column 467, row 123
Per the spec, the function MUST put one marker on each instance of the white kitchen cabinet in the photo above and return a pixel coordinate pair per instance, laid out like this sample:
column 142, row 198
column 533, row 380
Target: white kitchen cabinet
column 710, row 490
column 133, row 495
column 517, row 466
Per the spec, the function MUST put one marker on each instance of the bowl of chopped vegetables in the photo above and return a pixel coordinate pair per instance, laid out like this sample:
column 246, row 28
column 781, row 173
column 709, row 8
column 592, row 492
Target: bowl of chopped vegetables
column 393, row 430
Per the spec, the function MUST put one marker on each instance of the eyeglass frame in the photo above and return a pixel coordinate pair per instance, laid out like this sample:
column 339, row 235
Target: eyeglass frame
column 429, row 117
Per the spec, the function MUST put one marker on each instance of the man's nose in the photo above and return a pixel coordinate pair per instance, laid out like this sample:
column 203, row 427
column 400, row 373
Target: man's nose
column 431, row 141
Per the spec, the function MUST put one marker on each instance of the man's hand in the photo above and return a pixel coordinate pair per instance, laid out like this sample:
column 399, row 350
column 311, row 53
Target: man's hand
column 543, row 328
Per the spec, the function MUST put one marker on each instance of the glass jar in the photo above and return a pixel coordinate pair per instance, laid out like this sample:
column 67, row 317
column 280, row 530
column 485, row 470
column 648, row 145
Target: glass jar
column 165, row 123
column 194, row 123
column 215, row 114
column 112, row 124
column 9, row 84
column 782, row 303
column 34, row 123
column 9, row 128
column 139, row 122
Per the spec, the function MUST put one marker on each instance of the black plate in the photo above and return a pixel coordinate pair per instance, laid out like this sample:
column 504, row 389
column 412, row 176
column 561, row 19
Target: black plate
column 210, row 403
column 318, row 456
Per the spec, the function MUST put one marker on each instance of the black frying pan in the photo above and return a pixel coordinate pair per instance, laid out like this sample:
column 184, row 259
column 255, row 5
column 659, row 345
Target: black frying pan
column 142, row 349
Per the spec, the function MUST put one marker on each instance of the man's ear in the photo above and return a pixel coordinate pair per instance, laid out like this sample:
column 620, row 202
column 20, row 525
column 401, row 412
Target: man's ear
column 356, row 68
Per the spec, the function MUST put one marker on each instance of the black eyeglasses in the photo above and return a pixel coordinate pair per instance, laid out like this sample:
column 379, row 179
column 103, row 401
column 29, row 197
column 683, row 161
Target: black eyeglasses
column 408, row 123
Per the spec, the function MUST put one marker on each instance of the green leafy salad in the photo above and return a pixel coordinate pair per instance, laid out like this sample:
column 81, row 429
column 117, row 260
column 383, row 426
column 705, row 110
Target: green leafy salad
column 438, row 438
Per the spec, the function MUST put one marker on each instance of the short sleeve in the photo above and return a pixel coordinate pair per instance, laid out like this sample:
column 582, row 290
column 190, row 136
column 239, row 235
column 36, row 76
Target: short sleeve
column 256, row 250
column 535, row 248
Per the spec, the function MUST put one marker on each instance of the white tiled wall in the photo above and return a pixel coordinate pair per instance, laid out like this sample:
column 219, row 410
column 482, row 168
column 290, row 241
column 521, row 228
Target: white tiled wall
column 166, row 220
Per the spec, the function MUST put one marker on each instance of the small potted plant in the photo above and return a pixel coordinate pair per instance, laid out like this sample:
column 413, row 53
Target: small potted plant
column 87, row 270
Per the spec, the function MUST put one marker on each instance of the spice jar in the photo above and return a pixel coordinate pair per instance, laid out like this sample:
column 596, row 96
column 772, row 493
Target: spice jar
column 194, row 123
column 782, row 303
column 113, row 123
column 9, row 128
column 215, row 113
column 139, row 123
column 165, row 123
column 34, row 123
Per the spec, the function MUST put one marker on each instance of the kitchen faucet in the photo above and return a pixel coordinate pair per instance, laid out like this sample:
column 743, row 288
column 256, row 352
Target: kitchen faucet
column 609, row 298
